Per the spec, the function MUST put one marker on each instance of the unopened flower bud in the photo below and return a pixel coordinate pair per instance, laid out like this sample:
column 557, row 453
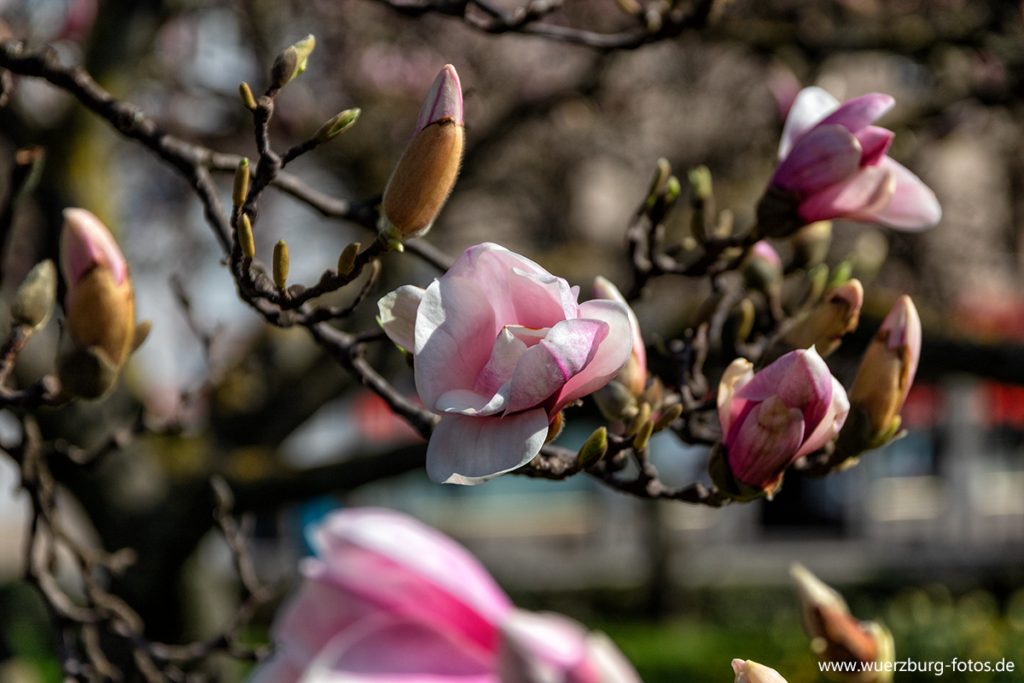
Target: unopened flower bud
column 752, row 672
column 248, row 101
column 887, row 371
column 702, row 200
column 668, row 417
column 281, row 264
column 659, row 181
column 241, row 187
column 643, row 435
column 100, row 302
column 291, row 62
column 740, row 322
column 245, row 238
column 616, row 402
column 594, row 448
column 347, row 260
column 811, row 244
column 336, row 126
column 642, row 416
column 839, row 637
column 34, row 300
column 824, row 325
column 763, row 267
column 426, row 173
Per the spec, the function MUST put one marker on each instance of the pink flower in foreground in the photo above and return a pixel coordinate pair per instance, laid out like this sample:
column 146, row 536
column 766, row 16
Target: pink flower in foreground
column 500, row 347
column 391, row 599
column 833, row 164
column 790, row 409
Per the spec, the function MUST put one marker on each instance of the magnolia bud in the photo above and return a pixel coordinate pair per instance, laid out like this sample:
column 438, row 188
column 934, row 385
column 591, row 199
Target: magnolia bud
column 643, row 434
column 763, row 267
column 702, row 200
column 615, row 401
column 426, row 173
column 836, row 635
column 241, row 188
column 100, row 303
column 281, row 264
column 245, row 239
column 659, row 181
column 887, row 371
column 594, row 448
column 811, row 244
column 34, row 300
column 290, row 62
column 336, row 126
column 824, row 326
column 247, row 99
column 668, row 417
column 347, row 260
column 752, row 672
column 642, row 416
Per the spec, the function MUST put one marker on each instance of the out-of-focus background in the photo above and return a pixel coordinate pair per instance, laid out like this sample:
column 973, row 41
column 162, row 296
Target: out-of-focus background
column 926, row 535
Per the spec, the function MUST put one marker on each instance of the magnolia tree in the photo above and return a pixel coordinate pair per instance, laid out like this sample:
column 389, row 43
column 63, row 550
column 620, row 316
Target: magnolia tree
column 501, row 350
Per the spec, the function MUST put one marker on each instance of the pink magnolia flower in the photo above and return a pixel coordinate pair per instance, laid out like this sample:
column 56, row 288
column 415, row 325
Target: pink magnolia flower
column 501, row 347
column 833, row 164
column 790, row 409
column 389, row 599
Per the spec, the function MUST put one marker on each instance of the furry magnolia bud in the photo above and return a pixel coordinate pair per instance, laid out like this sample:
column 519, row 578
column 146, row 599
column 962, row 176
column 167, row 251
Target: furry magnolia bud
column 347, row 260
column 240, row 190
column 100, row 303
column 281, row 264
column 336, row 126
column 290, row 62
column 34, row 300
column 426, row 173
column 245, row 239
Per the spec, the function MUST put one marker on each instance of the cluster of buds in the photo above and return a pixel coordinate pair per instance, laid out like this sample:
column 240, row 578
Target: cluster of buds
column 99, row 307
column 788, row 410
column 838, row 637
column 426, row 173
column 883, row 381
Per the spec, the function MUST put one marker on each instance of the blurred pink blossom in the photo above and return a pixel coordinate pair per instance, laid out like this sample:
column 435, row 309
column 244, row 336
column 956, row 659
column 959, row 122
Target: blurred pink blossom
column 390, row 599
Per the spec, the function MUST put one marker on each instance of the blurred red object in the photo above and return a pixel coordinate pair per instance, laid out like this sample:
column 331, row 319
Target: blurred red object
column 377, row 423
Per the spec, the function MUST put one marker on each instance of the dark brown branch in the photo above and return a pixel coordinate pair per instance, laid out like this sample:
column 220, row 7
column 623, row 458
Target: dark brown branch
column 651, row 27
